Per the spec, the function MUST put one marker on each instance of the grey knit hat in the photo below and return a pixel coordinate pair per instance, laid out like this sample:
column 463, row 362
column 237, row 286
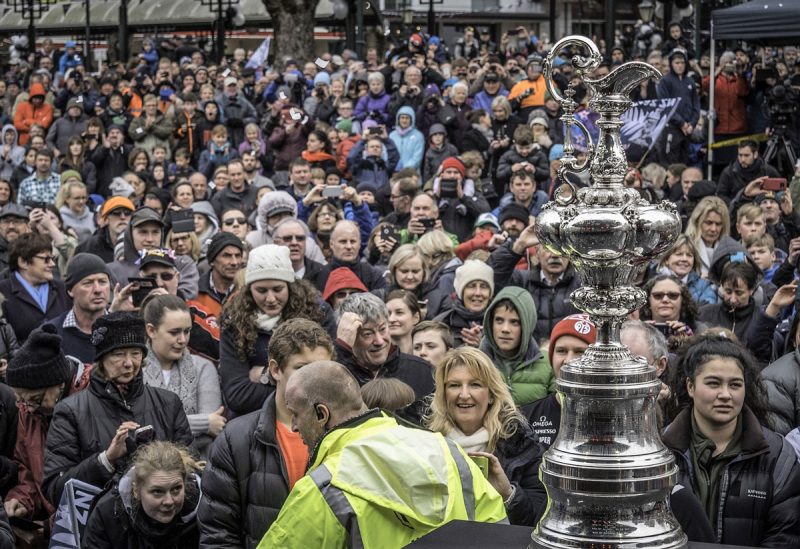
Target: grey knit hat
column 83, row 265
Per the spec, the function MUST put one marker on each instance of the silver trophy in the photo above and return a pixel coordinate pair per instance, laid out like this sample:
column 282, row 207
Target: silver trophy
column 608, row 476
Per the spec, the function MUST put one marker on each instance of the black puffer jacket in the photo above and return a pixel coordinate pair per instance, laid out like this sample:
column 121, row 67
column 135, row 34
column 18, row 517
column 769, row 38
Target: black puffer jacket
column 782, row 380
column 409, row 369
column 737, row 321
column 84, row 424
column 759, row 492
column 244, row 483
column 439, row 288
column 552, row 302
column 459, row 318
column 520, row 457
column 117, row 522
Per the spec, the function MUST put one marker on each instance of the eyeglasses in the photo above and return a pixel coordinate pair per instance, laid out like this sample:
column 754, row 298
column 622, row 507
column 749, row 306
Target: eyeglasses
column 166, row 277
column 326, row 214
column 396, row 196
column 46, row 258
column 293, row 238
column 344, row 294
column 121, row 212
column 234, row 220
column 672, row 296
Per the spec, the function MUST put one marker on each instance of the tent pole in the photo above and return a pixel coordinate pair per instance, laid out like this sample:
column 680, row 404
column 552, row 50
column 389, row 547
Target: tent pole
column 711, row 85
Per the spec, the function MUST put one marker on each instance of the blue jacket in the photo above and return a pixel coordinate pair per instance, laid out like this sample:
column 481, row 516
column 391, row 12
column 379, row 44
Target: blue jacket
column 411, row 145
column 374, row 170
column 703, row 291
column 483, row 100
column 672, row 85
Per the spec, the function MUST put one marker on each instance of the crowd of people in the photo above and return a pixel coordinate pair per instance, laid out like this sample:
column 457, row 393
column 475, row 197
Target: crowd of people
column 305, row 305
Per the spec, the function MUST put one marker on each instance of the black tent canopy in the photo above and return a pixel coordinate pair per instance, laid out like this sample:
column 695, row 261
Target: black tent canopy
column 757, row 21
column 762, row 21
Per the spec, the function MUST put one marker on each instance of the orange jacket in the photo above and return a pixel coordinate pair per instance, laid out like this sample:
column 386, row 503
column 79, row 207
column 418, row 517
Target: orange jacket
column 342, row 150
column 27, row 115
column 536, row 98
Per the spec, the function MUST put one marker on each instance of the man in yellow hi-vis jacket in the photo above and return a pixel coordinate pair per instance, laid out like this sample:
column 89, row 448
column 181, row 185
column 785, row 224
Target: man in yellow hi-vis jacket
column 371, row 483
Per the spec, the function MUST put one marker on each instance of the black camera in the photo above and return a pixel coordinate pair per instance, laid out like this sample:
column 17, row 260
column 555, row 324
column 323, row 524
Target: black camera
column 448, row 188
column 782, row 105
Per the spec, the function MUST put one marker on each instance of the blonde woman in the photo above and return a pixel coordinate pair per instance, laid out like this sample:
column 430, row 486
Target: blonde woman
column 684, row 262
column 473, row 407
column 438, row 255
column 185, row 244
column 71, row 203
column 154, row 504
column 709, row 224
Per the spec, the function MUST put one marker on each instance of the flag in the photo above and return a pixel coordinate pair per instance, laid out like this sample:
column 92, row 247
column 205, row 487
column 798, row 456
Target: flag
column 259, row 57
column 72, row 514
column 645, row 120
column 642, row 123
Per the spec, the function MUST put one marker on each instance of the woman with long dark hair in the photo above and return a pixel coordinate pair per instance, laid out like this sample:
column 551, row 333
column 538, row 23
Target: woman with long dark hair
column 318, row 151
column 270, row 294
column 670, row 307
column 745, row 475
column 75, row 159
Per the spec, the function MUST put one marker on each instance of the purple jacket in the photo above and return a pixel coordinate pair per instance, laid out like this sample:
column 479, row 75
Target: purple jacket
column 370, row 103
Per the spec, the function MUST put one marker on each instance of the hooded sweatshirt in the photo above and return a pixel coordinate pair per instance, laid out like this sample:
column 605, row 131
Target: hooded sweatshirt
column 410, row 142
column 527, row 372
column 126, row 267
column 12, row 158
column 27, row 114
column 342, row 278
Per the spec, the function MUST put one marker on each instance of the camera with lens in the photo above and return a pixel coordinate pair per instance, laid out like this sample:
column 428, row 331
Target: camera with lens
column 782, row 106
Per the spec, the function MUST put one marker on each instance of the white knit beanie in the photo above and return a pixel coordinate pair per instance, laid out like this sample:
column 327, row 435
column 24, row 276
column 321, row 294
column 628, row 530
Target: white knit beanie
column 269, row 262
column 472, row 269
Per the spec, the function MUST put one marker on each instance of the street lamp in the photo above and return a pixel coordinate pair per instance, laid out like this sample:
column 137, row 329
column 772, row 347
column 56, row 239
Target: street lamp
column 32, row 10
column 221, row 7
column 646, row 10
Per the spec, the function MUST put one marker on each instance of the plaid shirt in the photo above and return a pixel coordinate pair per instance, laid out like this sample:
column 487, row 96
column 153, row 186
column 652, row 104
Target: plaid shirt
column 69, row 320
column 33, row 189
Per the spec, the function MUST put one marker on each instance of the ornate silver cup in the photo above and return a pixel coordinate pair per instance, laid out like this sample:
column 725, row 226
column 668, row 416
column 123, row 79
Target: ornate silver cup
column 608, row 476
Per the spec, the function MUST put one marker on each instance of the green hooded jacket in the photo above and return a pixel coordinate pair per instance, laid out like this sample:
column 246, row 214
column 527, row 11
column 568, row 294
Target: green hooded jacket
column 527, row 373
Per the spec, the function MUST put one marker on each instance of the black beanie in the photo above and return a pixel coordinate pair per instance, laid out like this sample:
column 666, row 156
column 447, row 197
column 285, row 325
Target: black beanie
column 218, row 243
column 39, row 363
column 120, row 330
column 83, row 265
column 514, row 211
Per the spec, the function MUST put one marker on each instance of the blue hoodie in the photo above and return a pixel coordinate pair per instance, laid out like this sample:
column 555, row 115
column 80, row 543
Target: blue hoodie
column 410, row 142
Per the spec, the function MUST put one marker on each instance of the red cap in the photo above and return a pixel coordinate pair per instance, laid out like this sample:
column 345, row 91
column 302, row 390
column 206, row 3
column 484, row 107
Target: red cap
column 574, row 325
column 342, row 279
column 416, row 39
column 454, row 162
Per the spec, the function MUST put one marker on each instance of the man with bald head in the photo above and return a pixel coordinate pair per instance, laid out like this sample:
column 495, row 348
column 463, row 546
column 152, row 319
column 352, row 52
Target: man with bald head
column 346, row 249
column 356, row 492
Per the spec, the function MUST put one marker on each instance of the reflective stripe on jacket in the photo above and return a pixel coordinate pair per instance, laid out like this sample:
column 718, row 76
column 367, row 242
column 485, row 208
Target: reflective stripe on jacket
column 376, row 484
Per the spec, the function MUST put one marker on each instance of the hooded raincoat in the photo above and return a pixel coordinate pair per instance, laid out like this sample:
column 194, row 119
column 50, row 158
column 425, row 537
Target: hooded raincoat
column 527, row 372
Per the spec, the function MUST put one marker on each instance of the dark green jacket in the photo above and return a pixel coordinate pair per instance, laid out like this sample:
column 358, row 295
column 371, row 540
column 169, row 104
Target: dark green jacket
column 527, row 373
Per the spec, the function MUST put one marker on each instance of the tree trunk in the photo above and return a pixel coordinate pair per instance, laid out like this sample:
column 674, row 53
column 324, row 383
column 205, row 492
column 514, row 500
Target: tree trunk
column 293, row 28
